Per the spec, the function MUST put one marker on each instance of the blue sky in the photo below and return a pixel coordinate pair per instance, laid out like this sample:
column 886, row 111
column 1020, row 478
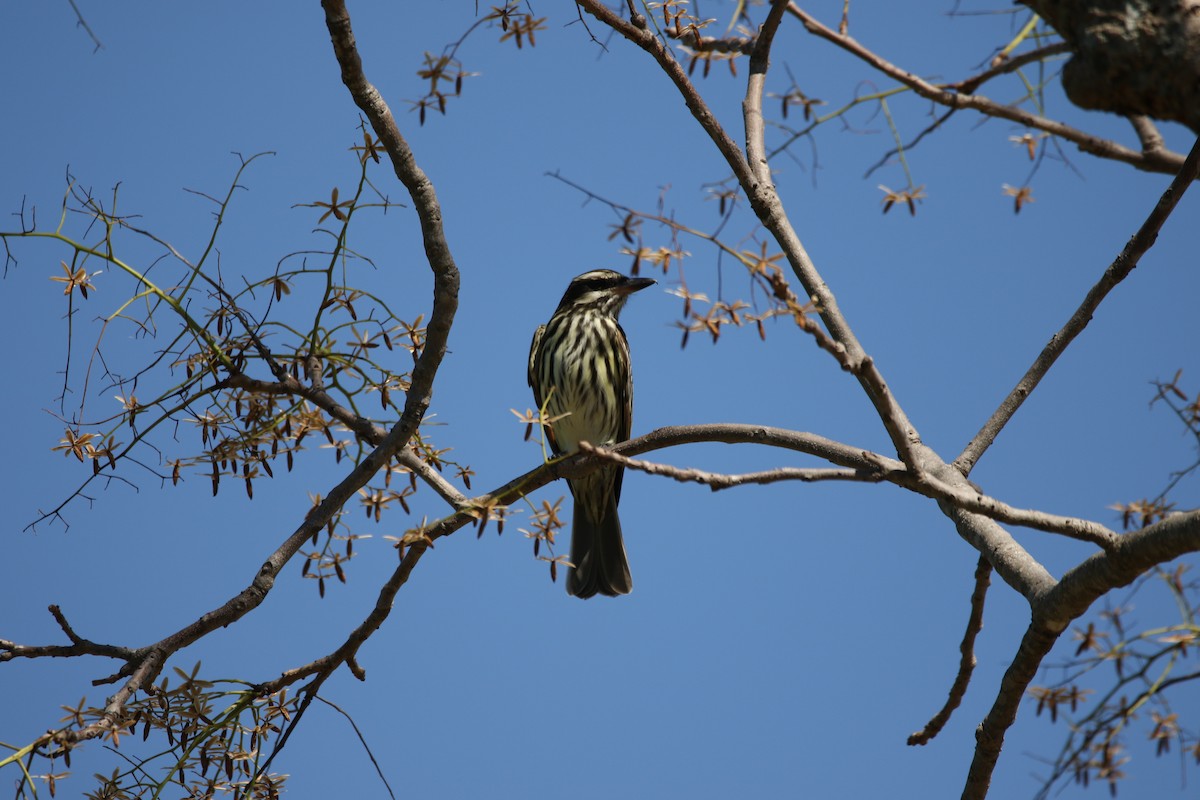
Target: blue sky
column 781, row 640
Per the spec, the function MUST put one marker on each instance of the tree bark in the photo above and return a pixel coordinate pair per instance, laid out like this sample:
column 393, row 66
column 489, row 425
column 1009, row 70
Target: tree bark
column 1131, row 56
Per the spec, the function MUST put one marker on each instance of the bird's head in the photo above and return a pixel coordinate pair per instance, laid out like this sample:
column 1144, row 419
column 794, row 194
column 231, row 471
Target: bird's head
column 601, row 290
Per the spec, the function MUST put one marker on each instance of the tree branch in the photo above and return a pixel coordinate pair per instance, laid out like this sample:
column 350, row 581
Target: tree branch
column 936, row 481
column 1147, row 133
column 78, row 647
column 717, row 481
column 1012, row 562
column 1057, row 607
column 966, row 664
column 82, row 23
column 760, row 60
column 1012, row 64
column 948, row 485
column 1117, row 271
column 429, row 212
column 989, row 737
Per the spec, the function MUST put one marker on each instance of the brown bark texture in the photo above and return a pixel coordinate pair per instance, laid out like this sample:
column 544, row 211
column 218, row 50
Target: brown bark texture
column 1131, row 56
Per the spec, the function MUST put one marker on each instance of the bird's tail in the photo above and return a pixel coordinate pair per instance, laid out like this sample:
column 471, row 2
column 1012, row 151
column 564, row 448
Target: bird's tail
column 598, row 553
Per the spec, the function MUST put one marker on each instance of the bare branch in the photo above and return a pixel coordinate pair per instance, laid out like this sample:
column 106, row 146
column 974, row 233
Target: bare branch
column 936, row 481
column 78, row 647
column 760, row 60
column 83, row 24
column 420, row 188
column 717, row 481
column 1007, row 65
column 1147, row 133
column 966, row 664
column 989, row 737
column 733, row 433
column 970, row 498
column 1012, row 562
column 1117, row 271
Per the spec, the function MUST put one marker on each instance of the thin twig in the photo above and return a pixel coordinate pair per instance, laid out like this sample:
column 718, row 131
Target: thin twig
column 83, row 24
column 1159, row 161
column 969, row 85
column 362, row 740
column 79, row 646
column 966, row 663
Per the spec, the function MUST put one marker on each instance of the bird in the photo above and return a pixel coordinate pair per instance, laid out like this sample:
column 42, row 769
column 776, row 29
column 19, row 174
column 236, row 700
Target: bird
column 579, row 370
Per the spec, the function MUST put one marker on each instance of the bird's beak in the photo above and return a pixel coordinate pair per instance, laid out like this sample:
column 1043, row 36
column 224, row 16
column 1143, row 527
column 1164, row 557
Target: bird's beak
column 632, row 285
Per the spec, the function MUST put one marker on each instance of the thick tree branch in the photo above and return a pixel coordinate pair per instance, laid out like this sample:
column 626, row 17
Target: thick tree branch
column 1059, row 605
column 989, row 737
column 429, row 212
column 1135, row 553
column 1117, row 271
column 1012, row 562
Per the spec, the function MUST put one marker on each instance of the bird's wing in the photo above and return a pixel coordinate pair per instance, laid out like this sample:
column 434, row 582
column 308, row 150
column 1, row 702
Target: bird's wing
column 531, row 375
column 624, row 391
column 532, row 369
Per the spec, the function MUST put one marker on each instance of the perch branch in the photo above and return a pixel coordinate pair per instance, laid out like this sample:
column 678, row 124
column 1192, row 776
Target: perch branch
column 717, row 481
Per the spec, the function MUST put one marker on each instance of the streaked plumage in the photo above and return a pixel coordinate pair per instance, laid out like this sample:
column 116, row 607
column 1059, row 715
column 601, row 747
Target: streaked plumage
column 579, row 371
